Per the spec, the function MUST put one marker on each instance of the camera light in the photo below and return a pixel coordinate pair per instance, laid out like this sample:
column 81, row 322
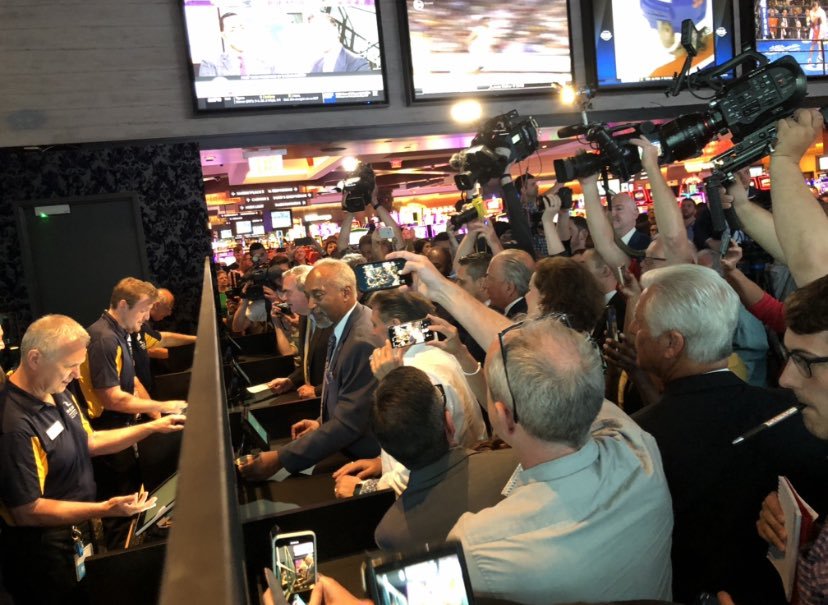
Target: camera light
column 350, row 163
column 466, row 111
column 568, row 94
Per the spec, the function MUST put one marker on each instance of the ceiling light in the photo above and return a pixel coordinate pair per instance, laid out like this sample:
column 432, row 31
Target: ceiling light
column 568, row 94
column 350, row 163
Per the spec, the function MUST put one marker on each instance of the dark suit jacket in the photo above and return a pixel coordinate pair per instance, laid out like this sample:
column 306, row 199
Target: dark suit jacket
column 639, row 241
column 347, row 402
column 345, row 62
column 718, row 488
column 519, row 307
column 316, row 355
column 459, row 482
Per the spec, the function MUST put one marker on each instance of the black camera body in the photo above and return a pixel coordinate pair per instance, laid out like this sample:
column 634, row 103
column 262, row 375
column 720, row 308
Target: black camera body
column 565, row 195
column 502, row 139
column 359, row 189
column 258, row 277
column 748, row 107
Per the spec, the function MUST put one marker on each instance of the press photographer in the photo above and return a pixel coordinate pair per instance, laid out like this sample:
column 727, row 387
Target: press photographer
column 258, row 291
column 501, row 141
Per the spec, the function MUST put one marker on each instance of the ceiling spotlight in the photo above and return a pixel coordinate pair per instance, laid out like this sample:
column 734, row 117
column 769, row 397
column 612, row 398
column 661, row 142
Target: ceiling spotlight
column 466, row 111
column 350, row 163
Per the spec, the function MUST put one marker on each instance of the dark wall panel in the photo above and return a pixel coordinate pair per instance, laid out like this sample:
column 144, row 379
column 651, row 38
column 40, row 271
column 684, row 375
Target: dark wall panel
column 168, row 182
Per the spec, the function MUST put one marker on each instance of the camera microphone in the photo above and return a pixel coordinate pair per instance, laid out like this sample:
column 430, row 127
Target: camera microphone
column 572, row 131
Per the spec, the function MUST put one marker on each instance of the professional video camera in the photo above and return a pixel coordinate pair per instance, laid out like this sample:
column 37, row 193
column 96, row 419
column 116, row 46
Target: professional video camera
column 502, row 139
column 468, row 212
column 748, row 107
column 259, row 276
column 358, row 189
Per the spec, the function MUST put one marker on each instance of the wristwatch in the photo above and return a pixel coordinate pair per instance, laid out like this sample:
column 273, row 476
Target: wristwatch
column 357, row 489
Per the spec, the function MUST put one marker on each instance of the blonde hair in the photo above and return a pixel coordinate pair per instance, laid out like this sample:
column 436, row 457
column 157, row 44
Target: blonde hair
column 132, row 290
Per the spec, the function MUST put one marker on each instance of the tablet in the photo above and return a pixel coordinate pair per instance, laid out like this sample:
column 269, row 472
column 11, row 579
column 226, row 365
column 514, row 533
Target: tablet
column 166, row 499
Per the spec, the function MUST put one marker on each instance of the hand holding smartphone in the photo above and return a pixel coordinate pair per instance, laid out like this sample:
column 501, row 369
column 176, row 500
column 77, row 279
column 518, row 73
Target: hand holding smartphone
column 413, row 332
column 382, row 275
column 294, row 564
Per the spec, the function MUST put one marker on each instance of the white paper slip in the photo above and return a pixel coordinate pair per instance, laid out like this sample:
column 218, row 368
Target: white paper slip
column 257, row 392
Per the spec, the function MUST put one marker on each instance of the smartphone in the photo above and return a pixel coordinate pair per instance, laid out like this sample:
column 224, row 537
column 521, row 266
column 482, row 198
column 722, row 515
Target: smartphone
column 411, row 333
column 304, row 241
column 612, row 323
column 622, row 280
column 437, row 575
column 386, row 233
column 294, row 564
column 382, row 275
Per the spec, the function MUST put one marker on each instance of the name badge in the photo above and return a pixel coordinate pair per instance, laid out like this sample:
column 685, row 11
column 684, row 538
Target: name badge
column 54, row 430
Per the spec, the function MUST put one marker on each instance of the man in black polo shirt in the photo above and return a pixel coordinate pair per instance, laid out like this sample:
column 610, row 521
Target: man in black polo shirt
column 46, row 481
column 112, row 392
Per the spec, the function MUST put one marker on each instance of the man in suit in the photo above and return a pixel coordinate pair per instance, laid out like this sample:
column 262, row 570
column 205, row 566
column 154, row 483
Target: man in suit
column 507, row 281
column 348, row 386
column 624, row 215
column 412, row 423
column 312, row 346
column 684, row 324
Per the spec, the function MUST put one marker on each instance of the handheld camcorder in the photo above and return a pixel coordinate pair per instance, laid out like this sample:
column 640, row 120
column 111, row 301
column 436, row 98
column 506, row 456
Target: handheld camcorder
column 358, row 188
column 748, row 107
column 259, row 276
column 468, row 212
column 502, row 139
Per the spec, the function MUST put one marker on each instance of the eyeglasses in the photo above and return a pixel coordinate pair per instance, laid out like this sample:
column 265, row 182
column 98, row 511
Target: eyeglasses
column 802, row 363
column 442, row 391
column 652, row 259
column 562, row 317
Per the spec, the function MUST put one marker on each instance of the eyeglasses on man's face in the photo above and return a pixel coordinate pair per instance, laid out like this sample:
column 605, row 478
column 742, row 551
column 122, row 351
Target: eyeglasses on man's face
column 802, row 362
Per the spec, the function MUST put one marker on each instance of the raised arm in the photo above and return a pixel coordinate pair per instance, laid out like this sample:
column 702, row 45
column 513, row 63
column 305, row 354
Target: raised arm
column 552, row 208
column 385, row 217
column 801, row 225
column 677, row 248
column 599, row 225
column 344, row 239
column 756, row 221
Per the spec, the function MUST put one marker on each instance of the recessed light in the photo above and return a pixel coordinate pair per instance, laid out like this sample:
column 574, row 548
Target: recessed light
column 333, row 149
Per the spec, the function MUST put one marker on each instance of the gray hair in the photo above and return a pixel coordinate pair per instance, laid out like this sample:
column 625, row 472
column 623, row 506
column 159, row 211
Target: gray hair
column 353, row 259
column 300, row 274
column 556, row 377
column 342, row 275
column 515, row 270
column 51, row 333
column 697, row 303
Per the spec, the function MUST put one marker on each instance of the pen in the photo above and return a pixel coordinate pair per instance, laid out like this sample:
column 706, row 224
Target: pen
column 791, row 411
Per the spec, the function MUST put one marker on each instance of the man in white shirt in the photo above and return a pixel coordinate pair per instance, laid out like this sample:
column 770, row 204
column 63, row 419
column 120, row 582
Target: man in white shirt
column 588, row 516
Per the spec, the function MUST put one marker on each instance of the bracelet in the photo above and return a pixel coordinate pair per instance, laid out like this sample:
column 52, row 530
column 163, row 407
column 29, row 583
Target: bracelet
column 477, row 371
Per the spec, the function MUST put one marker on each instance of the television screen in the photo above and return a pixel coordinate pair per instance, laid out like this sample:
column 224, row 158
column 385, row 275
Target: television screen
column 226, row 234
column 485, row 47
column 823, row 162
column 281, row 219
column 243, row 227
column 637, row 42
column 258, row 230
column 284, row 53
column 796, row 29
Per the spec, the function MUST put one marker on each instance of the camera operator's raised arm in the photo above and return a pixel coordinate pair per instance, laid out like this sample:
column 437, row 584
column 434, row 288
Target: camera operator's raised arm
column 801, row 225
column 756, row 221
column 551, row 209
column 388, row 220
column 600, row 227
column 518, row 223
column 671, row 229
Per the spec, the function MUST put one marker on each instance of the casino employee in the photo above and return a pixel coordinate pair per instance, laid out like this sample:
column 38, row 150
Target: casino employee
column 46, row 483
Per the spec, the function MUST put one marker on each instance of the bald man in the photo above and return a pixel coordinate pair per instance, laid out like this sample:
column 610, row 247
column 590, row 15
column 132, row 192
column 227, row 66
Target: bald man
column 348, row 389
column 624, row 215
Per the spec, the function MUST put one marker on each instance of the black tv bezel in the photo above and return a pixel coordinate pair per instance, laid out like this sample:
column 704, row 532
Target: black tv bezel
column 408, row 70
column 748, row 38
column 288, row 210
column 284, row 108
column 591, row 56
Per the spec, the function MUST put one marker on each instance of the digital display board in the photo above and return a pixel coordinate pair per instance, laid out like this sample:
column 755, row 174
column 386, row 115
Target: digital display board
column 796, row 29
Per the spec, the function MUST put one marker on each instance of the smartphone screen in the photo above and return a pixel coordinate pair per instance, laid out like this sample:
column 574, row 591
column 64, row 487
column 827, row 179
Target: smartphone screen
column 294, row 564
column 411, row 333
column 382, row 275
column 423, row 580
column 612, row 323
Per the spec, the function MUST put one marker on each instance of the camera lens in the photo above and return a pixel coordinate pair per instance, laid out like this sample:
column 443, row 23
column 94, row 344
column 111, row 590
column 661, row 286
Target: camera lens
column 686, row 136
column 569, row 169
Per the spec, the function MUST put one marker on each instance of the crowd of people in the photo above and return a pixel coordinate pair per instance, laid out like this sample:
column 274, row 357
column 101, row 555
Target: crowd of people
column 572, row 426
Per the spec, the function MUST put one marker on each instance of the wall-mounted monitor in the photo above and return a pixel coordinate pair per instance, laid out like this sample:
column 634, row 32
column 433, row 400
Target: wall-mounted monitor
column 258, row 229
column 243, row 227
column 636, row 43
column 484, row 47
column 822, row 162
column 281, row 219
column 796, row 28
column 226, row 234
column 284, row 53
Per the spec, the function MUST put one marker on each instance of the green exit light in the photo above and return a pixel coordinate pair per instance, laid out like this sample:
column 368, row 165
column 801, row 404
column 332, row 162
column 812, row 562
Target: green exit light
column 43, row 215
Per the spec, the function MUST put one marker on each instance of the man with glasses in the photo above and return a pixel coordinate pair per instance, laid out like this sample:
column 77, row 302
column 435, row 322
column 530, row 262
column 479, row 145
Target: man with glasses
column 683, row 327
column 587, row 515
column 806, row 373
column 412, row 423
